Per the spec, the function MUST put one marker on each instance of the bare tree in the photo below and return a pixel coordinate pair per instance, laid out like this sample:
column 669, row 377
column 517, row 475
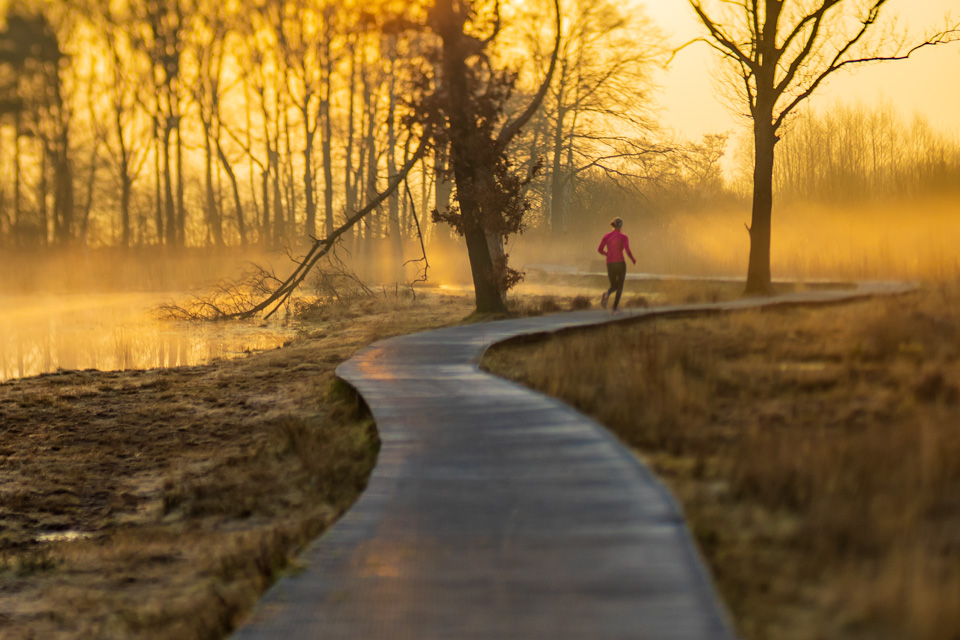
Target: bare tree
column 597, row 114
column 782, row 52
column 207, row 40
column 261, row 71
column 157, row 30
column 305, row 33
column 128, row 146
column 863, row 152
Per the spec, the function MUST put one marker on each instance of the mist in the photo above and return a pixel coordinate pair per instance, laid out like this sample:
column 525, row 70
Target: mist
column 222, row 222
column 127, row 171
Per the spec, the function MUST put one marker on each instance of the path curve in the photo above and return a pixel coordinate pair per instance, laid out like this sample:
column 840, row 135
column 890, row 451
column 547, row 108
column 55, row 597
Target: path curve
column 497, row 512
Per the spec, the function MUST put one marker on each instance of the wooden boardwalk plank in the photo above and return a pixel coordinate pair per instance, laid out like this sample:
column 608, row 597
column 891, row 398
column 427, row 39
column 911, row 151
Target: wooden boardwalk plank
column 495, row 512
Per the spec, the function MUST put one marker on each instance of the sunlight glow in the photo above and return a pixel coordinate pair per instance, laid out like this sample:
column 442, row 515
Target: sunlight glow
column 927, row 84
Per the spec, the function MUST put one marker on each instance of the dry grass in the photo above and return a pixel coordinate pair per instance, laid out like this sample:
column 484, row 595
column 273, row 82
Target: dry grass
column 816, row 452
column 556, row 293
column 160, row 504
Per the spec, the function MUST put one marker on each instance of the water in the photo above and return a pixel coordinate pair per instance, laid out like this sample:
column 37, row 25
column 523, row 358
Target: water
column 40, row 334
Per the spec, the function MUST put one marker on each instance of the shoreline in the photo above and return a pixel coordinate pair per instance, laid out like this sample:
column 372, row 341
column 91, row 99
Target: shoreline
column 161, row 503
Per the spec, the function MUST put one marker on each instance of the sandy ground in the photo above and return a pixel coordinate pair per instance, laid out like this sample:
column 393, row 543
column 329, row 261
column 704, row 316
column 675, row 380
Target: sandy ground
column 160, row 504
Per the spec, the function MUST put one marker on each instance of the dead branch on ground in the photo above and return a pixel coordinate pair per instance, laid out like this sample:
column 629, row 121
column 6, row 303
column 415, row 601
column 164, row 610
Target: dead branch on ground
column 261, row 291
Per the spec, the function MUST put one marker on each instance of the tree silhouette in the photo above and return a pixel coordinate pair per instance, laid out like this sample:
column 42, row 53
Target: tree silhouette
column 468, row 103
column 35, row 94
column 782, row 52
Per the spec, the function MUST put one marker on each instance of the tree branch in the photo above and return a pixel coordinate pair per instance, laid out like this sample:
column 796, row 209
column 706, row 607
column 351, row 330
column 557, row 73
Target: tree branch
column 322, row 247
column 944, row 37
column 729, row 48
column 801, row 57
column 497, row 24
column 512, row 129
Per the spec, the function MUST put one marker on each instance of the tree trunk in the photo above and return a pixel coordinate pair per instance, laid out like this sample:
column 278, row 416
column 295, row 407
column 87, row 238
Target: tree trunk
column 463, row 142
column 124, row 171
column 238, row 204
column 88, row 205
column 758, row 271
column 181, row 209
column 359, row 177
column 290, row 223
column 442, row 192
column 265, row 221
column 424, row 197
column 534, row 150
column 490, row 298
column 349, row 186
column 171, row 224
column 268, row 231
column 218, row 202
column 42, row 195
column 556, row 170
column 257, row 221
column 310, row 226
column 327, row 150
column 126, row 189
column 16, row 180
column 278, row 222
column 370, row 144
column 63, row 196
column 210, row 206
column 393, row 203
column 158, row 198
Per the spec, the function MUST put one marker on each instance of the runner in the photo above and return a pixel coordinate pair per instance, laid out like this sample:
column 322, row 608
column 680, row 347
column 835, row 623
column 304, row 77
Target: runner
column 612, row 246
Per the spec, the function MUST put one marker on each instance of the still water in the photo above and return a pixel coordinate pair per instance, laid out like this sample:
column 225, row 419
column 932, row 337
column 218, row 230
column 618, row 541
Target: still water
column 40, row 334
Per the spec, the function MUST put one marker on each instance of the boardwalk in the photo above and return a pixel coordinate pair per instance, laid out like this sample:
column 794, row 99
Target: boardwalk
column 496, row 512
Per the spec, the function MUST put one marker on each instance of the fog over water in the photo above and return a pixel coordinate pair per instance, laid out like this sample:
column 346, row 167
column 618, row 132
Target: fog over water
column 866, row 176
column 44, row 333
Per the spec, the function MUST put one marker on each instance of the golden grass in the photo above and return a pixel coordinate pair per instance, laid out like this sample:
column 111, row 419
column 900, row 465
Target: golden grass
column 816, row 452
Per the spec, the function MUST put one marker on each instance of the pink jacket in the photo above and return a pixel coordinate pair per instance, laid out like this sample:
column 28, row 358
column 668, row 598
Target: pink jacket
column 616, row 243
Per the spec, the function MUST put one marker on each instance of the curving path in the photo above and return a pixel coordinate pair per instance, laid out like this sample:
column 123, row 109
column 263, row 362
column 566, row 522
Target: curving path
column 496, row 512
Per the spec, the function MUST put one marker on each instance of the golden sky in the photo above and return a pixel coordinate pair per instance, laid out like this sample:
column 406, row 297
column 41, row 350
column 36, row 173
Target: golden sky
column 928, row 84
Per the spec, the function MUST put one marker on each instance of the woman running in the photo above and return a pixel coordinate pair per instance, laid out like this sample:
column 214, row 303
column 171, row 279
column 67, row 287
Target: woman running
column 612, row 246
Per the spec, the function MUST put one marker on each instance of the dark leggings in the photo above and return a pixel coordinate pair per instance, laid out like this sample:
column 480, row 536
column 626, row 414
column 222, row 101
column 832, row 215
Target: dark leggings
column 617, row 271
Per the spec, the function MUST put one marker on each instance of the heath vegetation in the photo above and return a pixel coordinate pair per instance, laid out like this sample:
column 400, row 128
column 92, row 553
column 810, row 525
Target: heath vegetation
column 816, row 452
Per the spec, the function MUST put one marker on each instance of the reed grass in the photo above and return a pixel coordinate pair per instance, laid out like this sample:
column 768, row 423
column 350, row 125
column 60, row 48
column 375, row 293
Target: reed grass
column 816, row 453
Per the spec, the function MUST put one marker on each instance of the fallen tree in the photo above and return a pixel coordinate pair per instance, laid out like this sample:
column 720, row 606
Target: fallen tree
column 260, row 290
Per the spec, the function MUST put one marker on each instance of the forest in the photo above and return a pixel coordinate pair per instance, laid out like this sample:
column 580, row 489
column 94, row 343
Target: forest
column 356, row 186
column 189, row 124
column 203, row 125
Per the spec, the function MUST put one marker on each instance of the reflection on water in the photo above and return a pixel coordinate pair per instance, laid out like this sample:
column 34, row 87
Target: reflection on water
column 114, row 332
